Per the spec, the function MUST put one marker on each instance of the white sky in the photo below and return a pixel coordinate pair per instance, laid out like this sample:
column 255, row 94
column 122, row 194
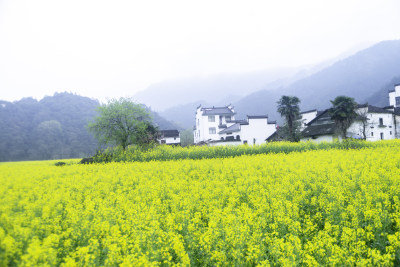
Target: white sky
column 116, row 48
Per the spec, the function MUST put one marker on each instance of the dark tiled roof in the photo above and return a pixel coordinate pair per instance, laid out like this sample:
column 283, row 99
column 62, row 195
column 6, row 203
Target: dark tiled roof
column 257, row 117
column 169, row 133
column 271, row 122
column 276, row 136
column 323, row 115
column 233, row 128
column 392, row 91
column 241, row 122
column 373, row 109
column 321, row 129
column 217, row 111
column 397, row 84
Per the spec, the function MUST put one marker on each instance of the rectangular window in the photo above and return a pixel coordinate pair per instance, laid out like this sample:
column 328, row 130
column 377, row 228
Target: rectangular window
column 162, row 141
column 380, row 121
column 381, row 136
column 372, row 133
column 212, row 130
column 227, row 118
column 390, row 132
column 397, row 101
column 211, row 118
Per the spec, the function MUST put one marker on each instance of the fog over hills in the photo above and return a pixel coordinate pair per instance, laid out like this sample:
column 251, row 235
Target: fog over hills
column 360, row 76
column 219, row 88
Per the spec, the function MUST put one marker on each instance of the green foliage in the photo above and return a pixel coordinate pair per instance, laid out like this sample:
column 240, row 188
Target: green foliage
column 165, row 152
column 52, row 128
column 122, row 122
column 288, row 107
column 187, row 138
column 343, row 112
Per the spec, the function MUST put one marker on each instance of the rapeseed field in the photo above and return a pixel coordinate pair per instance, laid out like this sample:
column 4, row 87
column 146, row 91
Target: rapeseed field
column 321, row 207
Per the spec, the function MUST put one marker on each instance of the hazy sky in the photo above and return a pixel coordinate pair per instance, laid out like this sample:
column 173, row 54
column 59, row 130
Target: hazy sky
column 116, row 48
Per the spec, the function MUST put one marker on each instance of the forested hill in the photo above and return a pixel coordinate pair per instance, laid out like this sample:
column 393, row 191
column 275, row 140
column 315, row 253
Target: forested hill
column 52, row 128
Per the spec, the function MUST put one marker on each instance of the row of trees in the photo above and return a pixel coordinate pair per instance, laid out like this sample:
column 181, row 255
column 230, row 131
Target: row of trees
column 343, row 113
column 122, row 122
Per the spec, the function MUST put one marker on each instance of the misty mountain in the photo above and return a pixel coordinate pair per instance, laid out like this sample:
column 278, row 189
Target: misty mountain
column 52, row 128
column 360, row 76
column 381, row 97
column 218, row 88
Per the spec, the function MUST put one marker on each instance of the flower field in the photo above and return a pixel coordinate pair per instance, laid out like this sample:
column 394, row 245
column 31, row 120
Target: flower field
column 320, row 207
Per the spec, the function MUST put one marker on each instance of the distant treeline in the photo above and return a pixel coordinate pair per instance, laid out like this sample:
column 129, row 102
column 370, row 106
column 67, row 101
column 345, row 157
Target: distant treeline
column 52, row 128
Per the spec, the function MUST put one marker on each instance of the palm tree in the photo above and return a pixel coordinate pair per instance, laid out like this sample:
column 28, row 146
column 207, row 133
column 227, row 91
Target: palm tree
column 288, row 107
column 343, row 112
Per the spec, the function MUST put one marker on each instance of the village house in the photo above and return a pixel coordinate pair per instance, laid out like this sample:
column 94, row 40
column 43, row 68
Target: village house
column 218, row 126
column 372, row 124
column 169, row 137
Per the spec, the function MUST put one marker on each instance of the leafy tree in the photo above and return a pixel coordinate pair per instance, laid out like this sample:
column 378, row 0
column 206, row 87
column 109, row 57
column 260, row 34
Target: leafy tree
column 288, row 107
column 122, row 122
column 343, row 112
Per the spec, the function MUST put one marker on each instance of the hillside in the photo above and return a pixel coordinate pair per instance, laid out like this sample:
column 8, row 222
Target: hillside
column 218, row 88
column 54, row 127
column 359, row 76
column 381, row 98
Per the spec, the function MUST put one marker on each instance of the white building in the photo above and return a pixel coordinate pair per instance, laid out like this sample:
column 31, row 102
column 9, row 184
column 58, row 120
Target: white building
column 217, row 126
column 169, row 137
column 394, row 96
column 378, row 124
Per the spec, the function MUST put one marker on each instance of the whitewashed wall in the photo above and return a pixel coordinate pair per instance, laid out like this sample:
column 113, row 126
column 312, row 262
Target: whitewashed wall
column 373, row 129
column 393, row 95
column 256, row 131
column 307, row 117
column 201, row 133
column 171, row 140
column 319, row 139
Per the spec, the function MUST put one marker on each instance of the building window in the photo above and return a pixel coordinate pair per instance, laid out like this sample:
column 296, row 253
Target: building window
column 390, row 132
column 244, row 141
column 162, row 141
column 397, row 101
column 174, row 138
column 237, row 137
column 212, row 130
column 380, row 121
column 254, row 141
column 372, row 133
column 228, row 118
column 381, row 136
column 211, row 118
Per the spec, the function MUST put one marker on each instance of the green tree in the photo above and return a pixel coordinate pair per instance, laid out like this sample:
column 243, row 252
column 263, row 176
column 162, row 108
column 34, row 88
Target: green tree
column 288, row 107
column 123, row 122
column 343, row 112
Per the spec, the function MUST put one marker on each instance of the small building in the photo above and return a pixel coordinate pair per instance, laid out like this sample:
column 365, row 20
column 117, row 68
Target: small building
column 218, row 126
column 169, row 137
